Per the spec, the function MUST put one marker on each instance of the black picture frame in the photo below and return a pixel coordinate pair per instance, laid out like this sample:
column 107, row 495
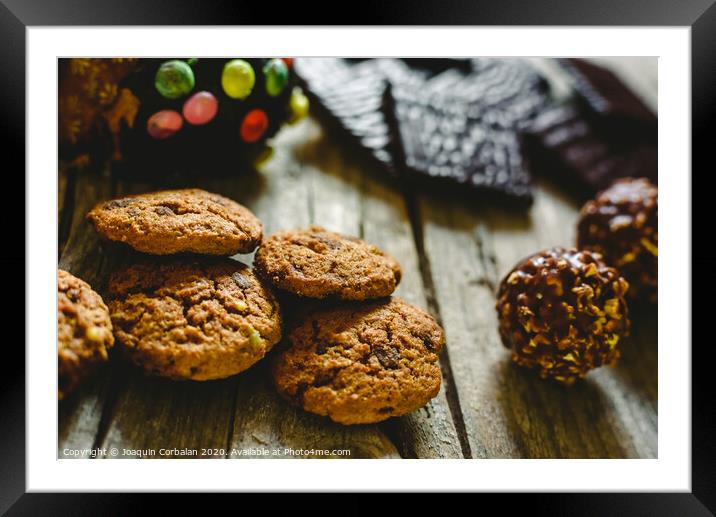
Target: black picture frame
column 700, row 15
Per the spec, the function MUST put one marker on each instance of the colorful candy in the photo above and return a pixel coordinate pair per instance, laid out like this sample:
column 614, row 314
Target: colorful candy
column 254, row 125
column 238, row 79
column 164, row 124
column 298, row 104
column 174, row 79
column 276, row 73
column 200, row 108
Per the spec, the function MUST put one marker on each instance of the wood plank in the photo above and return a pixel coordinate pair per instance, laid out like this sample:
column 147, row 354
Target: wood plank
column 353, row 201
column 429, row 432
column 508, row 411
column 79, row 416
column 152, row 414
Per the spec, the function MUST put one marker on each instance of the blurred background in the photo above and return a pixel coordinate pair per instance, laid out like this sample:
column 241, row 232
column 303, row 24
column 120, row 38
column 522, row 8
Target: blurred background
column 485, row 125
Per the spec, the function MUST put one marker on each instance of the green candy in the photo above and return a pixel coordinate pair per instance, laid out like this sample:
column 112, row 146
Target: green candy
column 276, row 73
column 238, row 79
column 174, row 79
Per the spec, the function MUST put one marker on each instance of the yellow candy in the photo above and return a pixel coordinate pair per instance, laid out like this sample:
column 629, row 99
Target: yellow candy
column 298, row 104
column 238, row 79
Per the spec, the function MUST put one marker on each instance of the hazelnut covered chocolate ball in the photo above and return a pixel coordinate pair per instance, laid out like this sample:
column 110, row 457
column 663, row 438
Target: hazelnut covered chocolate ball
column 563, row 312
column 621, row 224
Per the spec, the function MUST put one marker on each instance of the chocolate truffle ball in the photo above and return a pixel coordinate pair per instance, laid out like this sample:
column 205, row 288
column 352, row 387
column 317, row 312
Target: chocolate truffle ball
column 621, row 224
column 563, row 312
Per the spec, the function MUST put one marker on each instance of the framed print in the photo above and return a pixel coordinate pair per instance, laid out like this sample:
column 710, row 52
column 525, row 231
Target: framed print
column 431, row 244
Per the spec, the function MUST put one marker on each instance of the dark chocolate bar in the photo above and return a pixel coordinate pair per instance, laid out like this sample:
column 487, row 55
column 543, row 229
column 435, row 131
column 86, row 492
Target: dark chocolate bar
column 605, row 94
column 351, row 95
column 463, row 128
column 604, row 134
column 454, row 121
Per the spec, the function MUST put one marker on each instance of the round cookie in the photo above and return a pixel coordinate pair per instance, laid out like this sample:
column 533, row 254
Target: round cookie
column 316, row 263
column 84, row 331
column 361, row 363
column 197, row 320
column 178, row 221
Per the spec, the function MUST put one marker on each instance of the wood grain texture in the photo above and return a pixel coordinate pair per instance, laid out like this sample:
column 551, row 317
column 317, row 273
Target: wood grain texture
column 86, row 258
column 453, row 256
column 509, row 411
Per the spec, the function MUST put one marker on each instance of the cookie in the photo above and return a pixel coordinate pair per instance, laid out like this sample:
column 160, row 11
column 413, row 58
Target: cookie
column 361, row 363
column 197, row 320
column 84, row 331
column 178, row 221
column 316, row 263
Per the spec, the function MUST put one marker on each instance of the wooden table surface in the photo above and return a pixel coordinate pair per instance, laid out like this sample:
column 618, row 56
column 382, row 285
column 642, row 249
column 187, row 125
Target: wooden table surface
column 453, row 256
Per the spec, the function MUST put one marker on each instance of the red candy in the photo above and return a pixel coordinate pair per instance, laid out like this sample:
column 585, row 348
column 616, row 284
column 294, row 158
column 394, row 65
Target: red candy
column 164, row 124
column 254, row 125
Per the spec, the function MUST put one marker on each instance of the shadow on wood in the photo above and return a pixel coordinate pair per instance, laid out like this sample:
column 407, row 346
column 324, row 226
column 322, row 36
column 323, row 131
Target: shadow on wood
column 549, row 420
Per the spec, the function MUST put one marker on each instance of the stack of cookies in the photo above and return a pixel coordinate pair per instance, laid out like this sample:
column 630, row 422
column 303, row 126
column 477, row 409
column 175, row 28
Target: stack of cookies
column 360, row 356
column 187, row 311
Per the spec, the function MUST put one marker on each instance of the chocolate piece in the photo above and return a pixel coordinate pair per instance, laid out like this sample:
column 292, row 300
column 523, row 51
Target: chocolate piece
column 563, row 312
column 455, row 120
column 351, row 96
column 462, row 128
column 349, row 93
column 604, row 134
column 621, row 223
column 606, row 94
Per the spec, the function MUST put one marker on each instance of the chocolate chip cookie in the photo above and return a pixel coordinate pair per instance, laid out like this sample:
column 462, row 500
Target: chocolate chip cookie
column 84, row 331
column 178, row 221
column 361, row 363
column 199, row 320
column 316, row 263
